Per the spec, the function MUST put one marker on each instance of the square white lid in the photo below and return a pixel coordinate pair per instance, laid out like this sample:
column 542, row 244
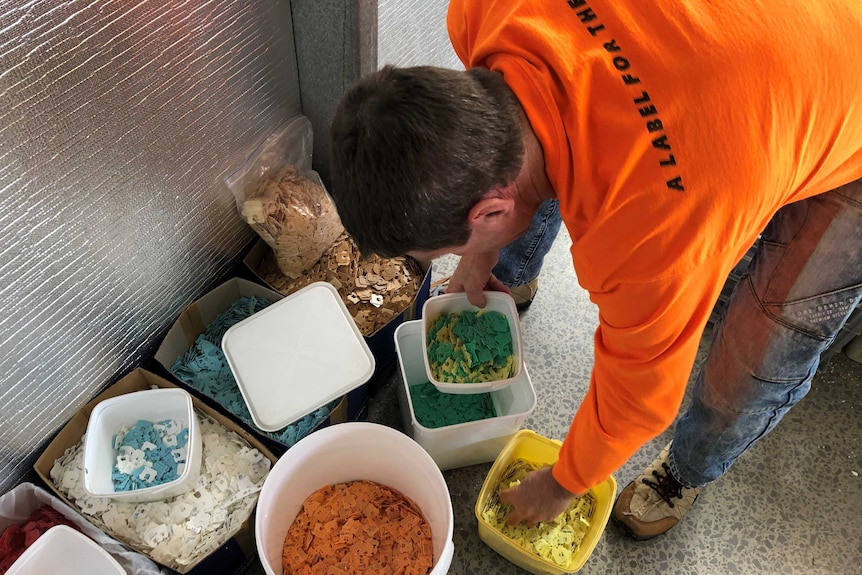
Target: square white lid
column 297, row 355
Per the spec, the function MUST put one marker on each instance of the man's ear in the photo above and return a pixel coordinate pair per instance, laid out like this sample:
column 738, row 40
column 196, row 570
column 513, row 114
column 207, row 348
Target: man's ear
column 491, row 212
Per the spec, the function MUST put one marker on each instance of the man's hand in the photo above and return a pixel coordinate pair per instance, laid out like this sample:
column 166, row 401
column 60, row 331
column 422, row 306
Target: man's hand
column 539, row 498
column 473, row 275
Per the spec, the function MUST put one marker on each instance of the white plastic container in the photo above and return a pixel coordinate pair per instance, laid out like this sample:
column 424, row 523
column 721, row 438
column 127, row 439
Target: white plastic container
column 297, row 355
column 457, row 302
column 125, row 410
column 467, row 443
column 350, row 452
column 62, row 549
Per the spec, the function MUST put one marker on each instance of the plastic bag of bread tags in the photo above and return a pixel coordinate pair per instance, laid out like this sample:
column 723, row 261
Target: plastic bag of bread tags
column 284, row 200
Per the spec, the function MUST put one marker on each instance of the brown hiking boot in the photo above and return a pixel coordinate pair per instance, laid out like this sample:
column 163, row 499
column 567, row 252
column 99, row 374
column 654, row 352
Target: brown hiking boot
column 524, row 294
column 654, row 502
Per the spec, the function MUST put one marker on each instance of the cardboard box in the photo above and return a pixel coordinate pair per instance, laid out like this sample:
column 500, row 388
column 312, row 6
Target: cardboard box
column 236, row 550
column 193, row 321
column 381, row 342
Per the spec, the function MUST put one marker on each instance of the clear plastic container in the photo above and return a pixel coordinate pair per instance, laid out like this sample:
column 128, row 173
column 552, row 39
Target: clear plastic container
column 467, row 443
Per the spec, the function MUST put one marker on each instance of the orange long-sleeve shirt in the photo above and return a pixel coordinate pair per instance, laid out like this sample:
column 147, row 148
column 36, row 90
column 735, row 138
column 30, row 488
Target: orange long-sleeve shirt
column 672, row 132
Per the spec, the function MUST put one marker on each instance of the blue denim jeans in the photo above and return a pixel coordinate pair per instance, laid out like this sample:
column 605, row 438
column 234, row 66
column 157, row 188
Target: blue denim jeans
column 804, row 282
column 521, row 261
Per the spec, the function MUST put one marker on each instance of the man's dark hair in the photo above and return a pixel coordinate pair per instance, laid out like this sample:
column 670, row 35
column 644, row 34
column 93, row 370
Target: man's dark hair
column 413, row 149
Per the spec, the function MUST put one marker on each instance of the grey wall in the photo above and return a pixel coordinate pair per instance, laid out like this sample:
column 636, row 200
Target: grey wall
column 118, row 122
column 413, row 33
column 336, row 43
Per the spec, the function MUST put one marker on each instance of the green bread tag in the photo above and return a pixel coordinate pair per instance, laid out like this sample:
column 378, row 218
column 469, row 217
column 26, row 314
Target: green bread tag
column 470, row 347
column 434, row 409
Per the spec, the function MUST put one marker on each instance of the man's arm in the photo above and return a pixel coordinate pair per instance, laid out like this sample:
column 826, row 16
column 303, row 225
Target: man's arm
column 539, row 498
column 645, row 345
column 644, row 350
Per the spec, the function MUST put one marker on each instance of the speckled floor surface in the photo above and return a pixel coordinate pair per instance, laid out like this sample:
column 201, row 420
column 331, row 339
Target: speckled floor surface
column 791, row 505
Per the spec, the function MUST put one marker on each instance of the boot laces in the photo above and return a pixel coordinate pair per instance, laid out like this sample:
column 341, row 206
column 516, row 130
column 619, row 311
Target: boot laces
column 665, row 485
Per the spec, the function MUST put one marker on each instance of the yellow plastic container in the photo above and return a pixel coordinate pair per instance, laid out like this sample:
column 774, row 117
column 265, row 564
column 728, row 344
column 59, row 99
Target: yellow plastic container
column 532, row 447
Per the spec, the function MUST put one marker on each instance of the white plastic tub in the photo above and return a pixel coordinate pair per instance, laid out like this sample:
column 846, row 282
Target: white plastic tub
column 125, row 410
column 466, row 443
column 62, row 549
column 296, row 356
column 350, row 452
column 457, row 302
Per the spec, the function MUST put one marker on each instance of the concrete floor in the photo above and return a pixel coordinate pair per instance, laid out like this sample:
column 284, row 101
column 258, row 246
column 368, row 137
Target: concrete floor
column 792, row 505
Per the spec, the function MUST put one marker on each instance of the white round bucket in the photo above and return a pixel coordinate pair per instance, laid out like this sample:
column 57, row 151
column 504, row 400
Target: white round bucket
column 349, row 452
